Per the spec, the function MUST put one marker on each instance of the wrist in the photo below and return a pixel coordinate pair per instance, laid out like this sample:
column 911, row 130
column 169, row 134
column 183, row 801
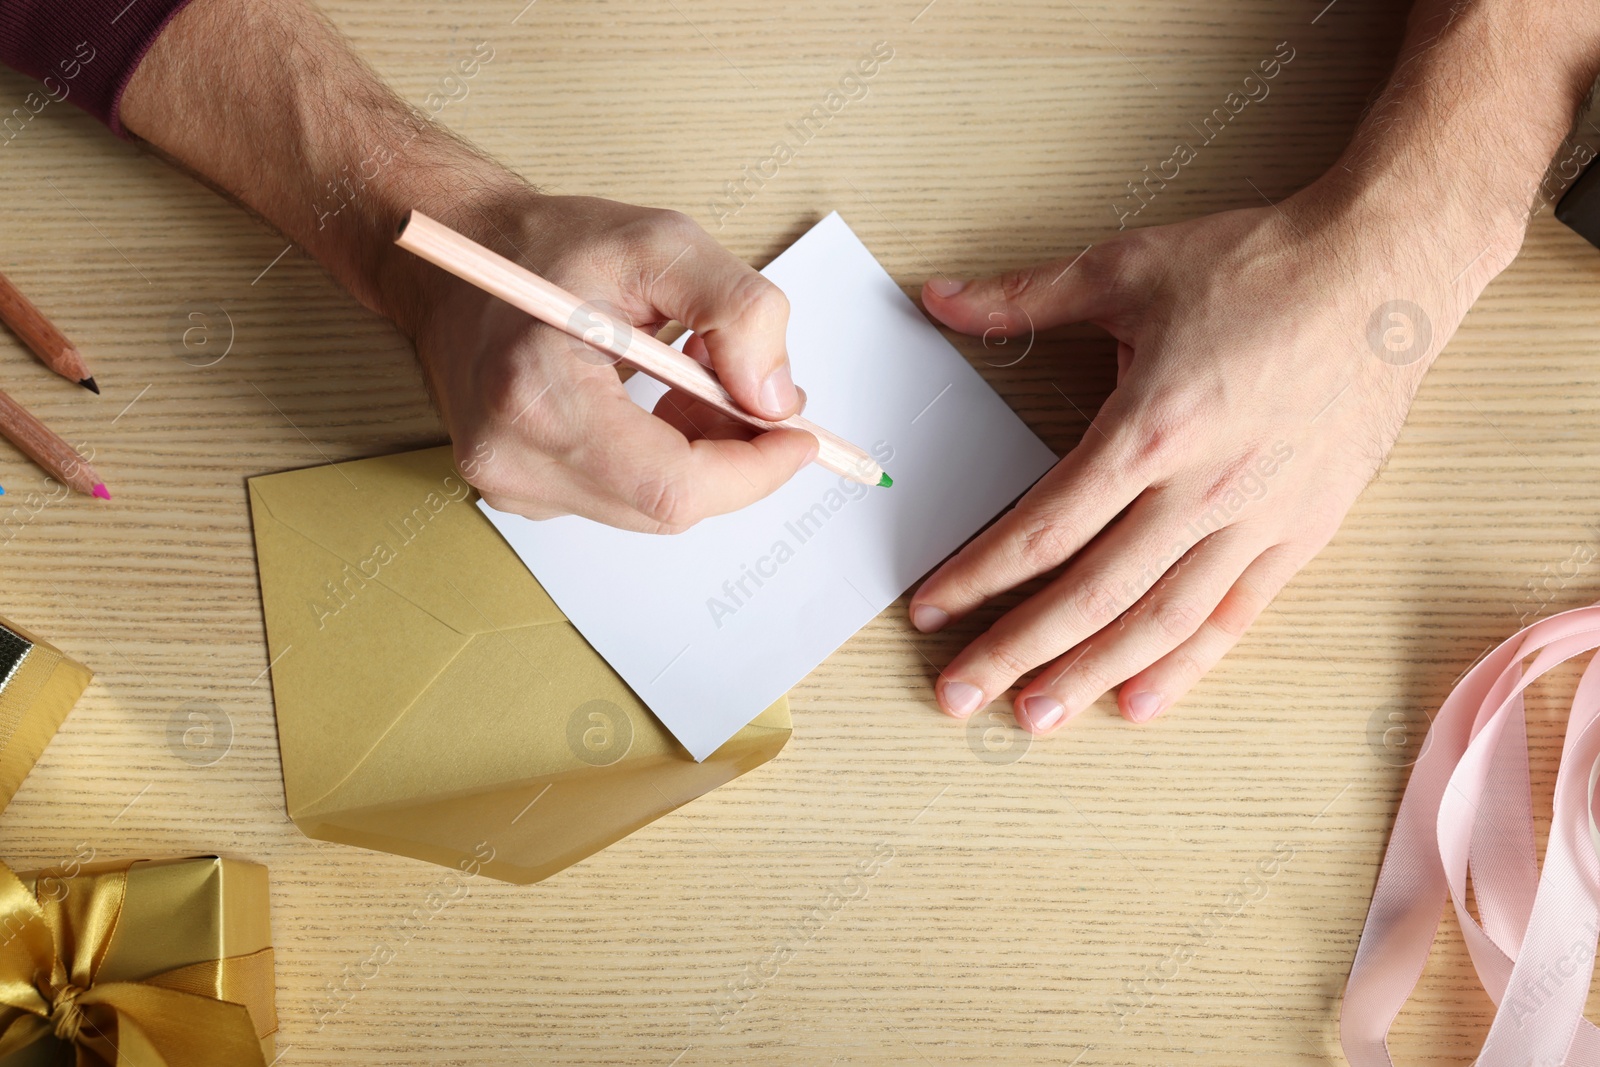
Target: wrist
column 351, row 223
column 1465, row 234
column 1452, row 153
column 1408, row 263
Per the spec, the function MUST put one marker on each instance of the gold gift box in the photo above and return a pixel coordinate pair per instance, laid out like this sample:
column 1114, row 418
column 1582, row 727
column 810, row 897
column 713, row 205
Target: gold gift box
column 198, row 926
column 432, row 700
column 38, row 686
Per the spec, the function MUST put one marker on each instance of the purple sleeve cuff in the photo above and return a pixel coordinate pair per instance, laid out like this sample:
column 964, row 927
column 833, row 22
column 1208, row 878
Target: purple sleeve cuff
column 83, row 51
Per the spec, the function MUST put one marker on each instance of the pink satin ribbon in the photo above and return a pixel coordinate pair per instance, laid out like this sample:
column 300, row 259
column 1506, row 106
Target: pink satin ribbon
column 1467, row 813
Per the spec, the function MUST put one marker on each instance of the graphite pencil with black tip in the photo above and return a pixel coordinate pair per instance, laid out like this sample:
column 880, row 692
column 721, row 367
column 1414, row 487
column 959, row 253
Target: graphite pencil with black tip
column 41, row 335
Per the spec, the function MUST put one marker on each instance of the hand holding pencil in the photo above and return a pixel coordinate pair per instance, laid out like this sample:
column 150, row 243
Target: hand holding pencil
column 551, row 304
column 541, row 423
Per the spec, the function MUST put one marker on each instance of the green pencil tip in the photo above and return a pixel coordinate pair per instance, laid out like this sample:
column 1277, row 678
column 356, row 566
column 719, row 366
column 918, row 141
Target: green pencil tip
column 886, row 481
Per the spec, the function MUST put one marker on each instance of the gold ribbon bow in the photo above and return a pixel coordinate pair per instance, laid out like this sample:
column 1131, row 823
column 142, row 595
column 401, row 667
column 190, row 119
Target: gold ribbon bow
column 50, row 952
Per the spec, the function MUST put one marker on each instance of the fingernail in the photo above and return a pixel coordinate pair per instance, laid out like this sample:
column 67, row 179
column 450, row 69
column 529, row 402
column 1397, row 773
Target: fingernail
column 1042, row 712
column 961, row 699
column 777, row 392
column 945, row 286
column 928, row 618
column 1142, row 707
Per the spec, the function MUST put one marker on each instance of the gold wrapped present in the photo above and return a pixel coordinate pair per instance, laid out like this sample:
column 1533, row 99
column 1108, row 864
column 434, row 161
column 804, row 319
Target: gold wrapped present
column 38, row 686
column 433, row 701
column 154, row 963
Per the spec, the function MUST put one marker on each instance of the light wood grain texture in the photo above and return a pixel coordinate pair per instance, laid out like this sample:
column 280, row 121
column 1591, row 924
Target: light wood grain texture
column 1021, row 895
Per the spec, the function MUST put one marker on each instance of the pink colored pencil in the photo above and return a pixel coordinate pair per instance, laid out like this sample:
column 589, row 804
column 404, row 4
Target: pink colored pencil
column 59, row 459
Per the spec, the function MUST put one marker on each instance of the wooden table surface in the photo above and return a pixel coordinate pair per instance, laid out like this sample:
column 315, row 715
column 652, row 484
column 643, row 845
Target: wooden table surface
column 1027, row 883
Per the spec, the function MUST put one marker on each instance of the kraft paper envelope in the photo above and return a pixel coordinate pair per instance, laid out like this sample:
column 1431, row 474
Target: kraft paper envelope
column 432, row 701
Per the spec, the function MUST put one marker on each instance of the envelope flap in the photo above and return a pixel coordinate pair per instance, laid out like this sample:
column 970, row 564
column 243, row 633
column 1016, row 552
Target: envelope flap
column 356, row 634
column 534, row 704
column 501, row 713
column 381, row 516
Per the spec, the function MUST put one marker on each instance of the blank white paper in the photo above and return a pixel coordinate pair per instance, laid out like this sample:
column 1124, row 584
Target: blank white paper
column 711, row 626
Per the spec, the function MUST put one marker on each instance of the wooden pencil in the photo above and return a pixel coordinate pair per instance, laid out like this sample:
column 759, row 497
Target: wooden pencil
column 59, row 459
column 548, row 302
column 41, row 335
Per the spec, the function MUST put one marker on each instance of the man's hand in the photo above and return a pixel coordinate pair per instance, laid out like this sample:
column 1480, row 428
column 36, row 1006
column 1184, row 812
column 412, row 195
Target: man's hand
column 539, row 419
column 270, row 104
column 1251, row 408
column 1266, row 361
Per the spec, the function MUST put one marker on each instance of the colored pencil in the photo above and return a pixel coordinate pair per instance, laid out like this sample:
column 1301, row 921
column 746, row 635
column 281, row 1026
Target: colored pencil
column 522, row 288
column 59, row 459
column 41, row 335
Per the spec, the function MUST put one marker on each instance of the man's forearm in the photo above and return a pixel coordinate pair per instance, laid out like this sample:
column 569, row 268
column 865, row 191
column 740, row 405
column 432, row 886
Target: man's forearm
column 269, row 104
column 1481, row 98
